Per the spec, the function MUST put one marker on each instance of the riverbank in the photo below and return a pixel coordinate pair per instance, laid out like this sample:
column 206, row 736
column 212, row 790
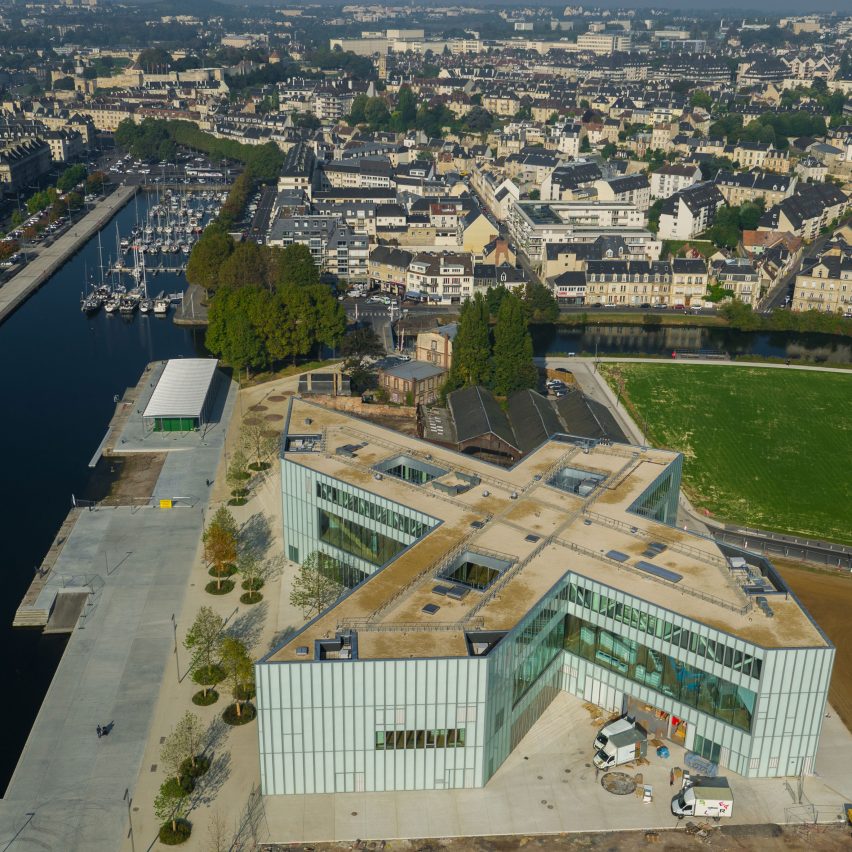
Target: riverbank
column 665, row 318
column 21, row 286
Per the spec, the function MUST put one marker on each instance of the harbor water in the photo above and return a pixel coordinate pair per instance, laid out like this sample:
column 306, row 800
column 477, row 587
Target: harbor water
column 661, row 341
column 61, row 373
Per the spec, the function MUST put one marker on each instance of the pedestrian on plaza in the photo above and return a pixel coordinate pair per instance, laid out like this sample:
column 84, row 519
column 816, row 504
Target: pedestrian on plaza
column 100, row 732
column 671, row 778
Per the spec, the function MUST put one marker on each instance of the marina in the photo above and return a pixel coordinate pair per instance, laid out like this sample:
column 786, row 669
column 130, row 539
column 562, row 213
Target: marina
column 159, row 241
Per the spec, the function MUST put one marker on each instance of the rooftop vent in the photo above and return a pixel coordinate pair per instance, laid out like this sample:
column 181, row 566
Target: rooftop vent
column 430, row 609
column 302, row 651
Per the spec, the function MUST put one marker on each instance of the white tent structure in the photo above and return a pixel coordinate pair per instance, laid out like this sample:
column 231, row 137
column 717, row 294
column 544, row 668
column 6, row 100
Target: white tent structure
column 183, row 398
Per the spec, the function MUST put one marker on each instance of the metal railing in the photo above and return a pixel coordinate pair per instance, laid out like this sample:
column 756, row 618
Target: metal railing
column 678, row 547
column 686, row 590
column 432, row 569
column 425, row 626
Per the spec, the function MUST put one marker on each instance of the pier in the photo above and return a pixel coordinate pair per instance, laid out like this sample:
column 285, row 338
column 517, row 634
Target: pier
column 50, row 258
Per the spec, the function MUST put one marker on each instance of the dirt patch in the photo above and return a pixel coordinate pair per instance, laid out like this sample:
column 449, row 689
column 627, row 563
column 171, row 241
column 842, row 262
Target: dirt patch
column 734, row 838
column 121, row 479
column 827, row 595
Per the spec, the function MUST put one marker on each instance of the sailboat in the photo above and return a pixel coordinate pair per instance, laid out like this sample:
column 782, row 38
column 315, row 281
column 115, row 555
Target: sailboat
column 161, row 304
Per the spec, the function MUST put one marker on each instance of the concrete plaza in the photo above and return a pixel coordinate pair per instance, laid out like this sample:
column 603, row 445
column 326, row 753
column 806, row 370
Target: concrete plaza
column 549, row 785
column 67, row 790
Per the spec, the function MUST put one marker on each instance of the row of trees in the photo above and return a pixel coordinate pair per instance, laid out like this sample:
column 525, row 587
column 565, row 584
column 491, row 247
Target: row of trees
column 500, row 359
column 226, row 556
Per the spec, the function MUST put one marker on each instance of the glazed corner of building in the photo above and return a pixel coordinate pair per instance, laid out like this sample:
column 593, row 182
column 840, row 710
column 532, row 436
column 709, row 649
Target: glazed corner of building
column 340, row 711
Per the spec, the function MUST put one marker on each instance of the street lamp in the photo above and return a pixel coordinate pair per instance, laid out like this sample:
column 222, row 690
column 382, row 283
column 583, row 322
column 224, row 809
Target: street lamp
column 177, row 664
column 129, row 799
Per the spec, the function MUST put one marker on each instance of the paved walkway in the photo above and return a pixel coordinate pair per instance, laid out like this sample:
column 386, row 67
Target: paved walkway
column 18, row 288
column 139, row 563
column 554, row 361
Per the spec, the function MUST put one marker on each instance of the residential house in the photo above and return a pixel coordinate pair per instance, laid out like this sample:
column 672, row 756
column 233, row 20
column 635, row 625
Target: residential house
column 412, row 382
column 825, row 285
column 387, row 269
column 670, row 179
column 689, row 212
column 436, row 345
column 631, row 189
column 740, row 187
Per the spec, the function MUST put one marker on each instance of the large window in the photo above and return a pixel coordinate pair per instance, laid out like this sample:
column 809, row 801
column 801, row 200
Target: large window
column 663, row 673
column 435, row 738
column 689, row 640
column 357, row 540
column 371, row 510
column 537, row 659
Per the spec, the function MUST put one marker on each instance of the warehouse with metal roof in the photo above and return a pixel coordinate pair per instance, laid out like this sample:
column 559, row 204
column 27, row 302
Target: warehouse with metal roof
column 182, row 401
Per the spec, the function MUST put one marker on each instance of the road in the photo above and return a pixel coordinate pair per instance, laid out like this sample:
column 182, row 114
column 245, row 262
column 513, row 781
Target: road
column 260, row 221
column 782, row 291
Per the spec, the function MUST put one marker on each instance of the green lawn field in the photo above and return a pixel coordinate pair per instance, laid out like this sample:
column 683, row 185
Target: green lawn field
column 768, row 448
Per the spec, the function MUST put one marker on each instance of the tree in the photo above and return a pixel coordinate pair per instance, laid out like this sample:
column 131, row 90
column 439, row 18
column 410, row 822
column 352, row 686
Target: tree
column 244, row 266
column 208, row 255
column 609, row 150
column 406, row 107
column 71, row 177
column 358, row 347
column 701, row 99
column 220, row 543
column 314, row 589
column 329, row 316
column 255, row 571
column 357, row 112
column 65, row 84
column 540, row 303
column 259, row 440
column 182, row 745
column 513, row 350
column 230, row 332
column 471, row 346
column 376, row 113
column 203, row 640
column 585, row 146
column 171, row 804
column 239, row 669
column 237, row 469
column 154, row 60
column 294, row 265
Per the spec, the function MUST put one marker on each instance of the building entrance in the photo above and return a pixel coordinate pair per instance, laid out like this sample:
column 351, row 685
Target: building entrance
column 656, row 722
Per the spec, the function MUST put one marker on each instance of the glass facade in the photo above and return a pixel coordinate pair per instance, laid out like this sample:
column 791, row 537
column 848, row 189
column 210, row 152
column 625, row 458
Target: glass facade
column 357, row 540
column 713, row 650
column 436, row 723
column 531, row 666
column 661, row 672
column 659, row 500
column 371, row 510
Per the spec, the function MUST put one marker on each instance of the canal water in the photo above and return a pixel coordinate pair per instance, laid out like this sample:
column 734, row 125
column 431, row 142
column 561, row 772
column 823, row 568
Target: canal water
column 60, row 374
column 663, row 340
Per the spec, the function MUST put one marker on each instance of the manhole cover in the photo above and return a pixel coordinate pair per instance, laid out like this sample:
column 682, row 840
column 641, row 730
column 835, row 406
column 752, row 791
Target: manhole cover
column 618, row 783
